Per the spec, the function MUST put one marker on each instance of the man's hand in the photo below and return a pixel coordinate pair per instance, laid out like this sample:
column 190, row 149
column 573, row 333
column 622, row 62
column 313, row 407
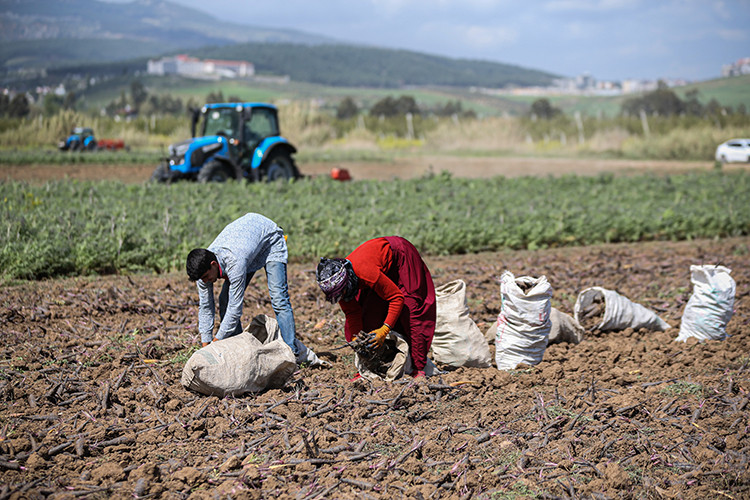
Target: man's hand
column 378, row 336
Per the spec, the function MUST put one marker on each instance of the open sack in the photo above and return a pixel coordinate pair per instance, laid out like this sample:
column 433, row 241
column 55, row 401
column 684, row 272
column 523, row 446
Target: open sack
column 458, row 340
column 710, row 306
column 255, row 360
column 391, row 362
column 616, row 312
column 523, row 325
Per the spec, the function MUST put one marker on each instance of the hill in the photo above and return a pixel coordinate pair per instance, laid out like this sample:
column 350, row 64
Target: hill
column 46, row 40
column 353, row 65
column 50, row 33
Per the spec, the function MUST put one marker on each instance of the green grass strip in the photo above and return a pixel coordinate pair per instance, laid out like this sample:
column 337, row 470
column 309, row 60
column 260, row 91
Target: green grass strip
column 71, row 227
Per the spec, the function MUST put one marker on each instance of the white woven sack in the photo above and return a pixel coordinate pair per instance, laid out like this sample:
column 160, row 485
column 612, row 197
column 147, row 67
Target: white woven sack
column 563, row 328
column 400, row 365
column 711, row 305
column 619, row 311
column 255, row 360
column 458, row 341
column 523, row 324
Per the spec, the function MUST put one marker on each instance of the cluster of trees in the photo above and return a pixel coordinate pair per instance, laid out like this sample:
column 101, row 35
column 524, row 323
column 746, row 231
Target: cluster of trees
column 15, row 107
column 543, row 109
column 664, row 102
column 139, row 101
column 661, row 102
column 401, row 106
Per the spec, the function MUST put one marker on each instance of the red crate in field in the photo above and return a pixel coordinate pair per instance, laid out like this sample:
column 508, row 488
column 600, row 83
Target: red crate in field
column 111, row 144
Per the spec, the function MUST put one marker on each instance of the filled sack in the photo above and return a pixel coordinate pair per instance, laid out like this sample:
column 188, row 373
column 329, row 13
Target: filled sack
column 255, row 360
column 710, row 306
column 562, row 328
column 392, row 361
column 458, row 340
column 523, row 324
column 598, row 308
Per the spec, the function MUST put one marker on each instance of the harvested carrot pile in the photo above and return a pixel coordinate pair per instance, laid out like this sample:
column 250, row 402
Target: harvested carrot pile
column 91, row 403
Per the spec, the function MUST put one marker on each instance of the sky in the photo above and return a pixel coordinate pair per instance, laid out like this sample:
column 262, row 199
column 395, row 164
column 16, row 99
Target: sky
column 607, row 39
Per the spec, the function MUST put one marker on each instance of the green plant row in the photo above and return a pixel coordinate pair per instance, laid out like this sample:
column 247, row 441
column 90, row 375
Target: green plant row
column 54, row 157
column 70, row 227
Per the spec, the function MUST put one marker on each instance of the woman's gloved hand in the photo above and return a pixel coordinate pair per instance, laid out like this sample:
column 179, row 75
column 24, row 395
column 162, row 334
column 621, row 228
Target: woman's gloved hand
column 378, row 336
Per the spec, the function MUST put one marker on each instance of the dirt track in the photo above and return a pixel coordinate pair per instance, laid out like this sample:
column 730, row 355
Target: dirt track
column 403, row 168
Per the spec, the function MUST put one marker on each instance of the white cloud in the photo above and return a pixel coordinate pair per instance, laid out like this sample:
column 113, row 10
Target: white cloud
column 720, row 7
column 731, row 35
column 577, row 30
column 589, row 5
column 482, row 36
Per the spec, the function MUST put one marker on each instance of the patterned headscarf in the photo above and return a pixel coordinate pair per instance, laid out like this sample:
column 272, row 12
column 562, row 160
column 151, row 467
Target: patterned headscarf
column 336, row 279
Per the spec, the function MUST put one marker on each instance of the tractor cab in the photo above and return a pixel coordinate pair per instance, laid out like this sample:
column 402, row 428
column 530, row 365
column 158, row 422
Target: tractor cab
column 80, row 138
column 231, row 141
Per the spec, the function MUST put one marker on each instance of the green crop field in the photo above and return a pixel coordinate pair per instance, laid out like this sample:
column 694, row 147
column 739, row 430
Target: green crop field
column 66, row 228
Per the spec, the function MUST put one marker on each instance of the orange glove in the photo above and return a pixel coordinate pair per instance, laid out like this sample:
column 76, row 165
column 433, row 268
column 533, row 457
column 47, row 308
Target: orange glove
column 378, row 336
column 204, row 344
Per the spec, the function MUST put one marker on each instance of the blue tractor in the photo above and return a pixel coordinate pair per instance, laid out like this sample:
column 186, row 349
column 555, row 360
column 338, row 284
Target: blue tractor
column 80, row 139
column 235, row 141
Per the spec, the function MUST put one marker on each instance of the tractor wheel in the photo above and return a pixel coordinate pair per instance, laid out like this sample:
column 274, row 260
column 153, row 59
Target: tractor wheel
column 215, row 171
column 159, row 174
column 280, row 167
column 91, row 146
column 75, row 145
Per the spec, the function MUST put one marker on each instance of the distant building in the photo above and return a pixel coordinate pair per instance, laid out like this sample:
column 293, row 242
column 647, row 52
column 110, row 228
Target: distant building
column 635, row 86
column 196, row 68
column 584, row 84
column 740, row 67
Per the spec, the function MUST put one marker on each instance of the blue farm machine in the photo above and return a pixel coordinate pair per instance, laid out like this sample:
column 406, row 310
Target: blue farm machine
column 237, row 140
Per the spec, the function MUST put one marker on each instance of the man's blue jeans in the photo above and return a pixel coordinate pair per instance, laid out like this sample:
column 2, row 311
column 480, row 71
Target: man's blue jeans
column 278, row 290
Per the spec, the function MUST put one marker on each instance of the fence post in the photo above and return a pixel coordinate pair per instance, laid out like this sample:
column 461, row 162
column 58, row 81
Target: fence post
column 579, row 124
column 409, row 126
column 644, row 123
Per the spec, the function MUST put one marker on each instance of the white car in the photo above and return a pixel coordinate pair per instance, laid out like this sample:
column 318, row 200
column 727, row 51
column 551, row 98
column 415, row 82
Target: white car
column 735, row 150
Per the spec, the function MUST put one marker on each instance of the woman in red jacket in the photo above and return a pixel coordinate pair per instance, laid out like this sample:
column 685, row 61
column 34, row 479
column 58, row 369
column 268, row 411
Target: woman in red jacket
column 384, row 285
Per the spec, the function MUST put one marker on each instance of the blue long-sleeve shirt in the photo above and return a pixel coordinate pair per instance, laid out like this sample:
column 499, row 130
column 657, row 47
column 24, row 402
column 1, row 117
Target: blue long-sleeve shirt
column 243, row 247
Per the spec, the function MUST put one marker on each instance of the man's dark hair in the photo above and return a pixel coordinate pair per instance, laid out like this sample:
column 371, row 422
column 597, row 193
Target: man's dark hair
column 198, row 262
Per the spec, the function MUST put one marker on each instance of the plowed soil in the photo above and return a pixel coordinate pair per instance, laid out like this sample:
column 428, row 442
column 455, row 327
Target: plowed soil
column 91, row 404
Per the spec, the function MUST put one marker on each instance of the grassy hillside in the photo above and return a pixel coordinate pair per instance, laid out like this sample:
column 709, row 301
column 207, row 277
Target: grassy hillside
column 728, row 91
column 350, row 65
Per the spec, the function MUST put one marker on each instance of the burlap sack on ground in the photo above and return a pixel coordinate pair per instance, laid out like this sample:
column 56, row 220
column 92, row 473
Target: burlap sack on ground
column 619, row 311
column 255, row 360
column 523, row 322
column 393, row 361
column 458, row 340
column 711, row 304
